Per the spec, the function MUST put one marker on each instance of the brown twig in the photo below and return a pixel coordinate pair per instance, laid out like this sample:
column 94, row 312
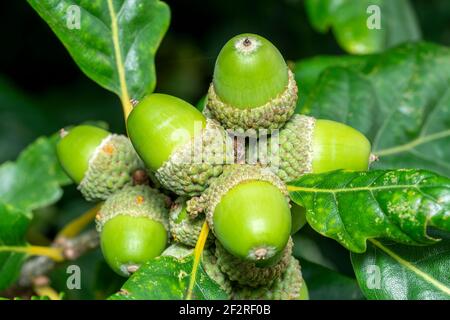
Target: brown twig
column 72, row 249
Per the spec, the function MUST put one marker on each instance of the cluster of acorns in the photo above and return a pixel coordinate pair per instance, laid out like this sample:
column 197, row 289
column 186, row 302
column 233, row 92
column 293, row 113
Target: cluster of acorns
column 186, row 154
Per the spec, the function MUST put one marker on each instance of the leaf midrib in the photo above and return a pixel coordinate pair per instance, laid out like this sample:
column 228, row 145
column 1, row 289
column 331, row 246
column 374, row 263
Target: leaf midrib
column 124, row 96
column 408, row 265
column 412, row 144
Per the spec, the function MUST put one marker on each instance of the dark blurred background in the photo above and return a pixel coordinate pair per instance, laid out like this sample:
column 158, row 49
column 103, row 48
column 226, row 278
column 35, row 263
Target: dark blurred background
column 42, row 89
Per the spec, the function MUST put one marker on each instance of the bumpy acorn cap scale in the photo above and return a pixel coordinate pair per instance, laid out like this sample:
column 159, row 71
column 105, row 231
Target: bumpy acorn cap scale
column 271, row 115
column 191, row 167
column 137, row 201
column 212, row 268
column 287, row 287
column 185, row 229
column 111, row 168
column 248, row 273
column 291, row 151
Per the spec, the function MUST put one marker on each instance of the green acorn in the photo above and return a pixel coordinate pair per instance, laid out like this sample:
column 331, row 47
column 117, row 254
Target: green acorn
column 133, row 226
column 209, row 263
column 99, row 162
column 184, row 228
column 289, row 286
column 307, row 145
column 177, row 143
column 247, row 209
column 252, row 86
column 247, row 273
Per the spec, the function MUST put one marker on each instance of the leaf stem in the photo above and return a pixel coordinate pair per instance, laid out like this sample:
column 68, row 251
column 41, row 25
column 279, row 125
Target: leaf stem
column 77, row 225
column 124, row 96
column 199, row 246
column 54, row 253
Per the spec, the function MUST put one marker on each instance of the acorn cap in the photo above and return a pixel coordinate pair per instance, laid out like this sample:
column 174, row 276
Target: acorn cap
column 287, row 287
column 294, row 145
column 184, row 228
column 271, row 115
column 111, row 168
column 135, row 201
column 211, row 266
column 248, row 273
column 191, row 166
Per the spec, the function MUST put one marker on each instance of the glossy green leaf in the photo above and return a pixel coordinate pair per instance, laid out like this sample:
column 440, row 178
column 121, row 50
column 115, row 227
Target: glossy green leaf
column 33, row 181
column 365, row 26
column 201, row 104
column 399, row 99
column 113, row 41
column 394, row 271
column 312, row 246
column 326, row 284
column 307, row 72
column 352, row 207
column 13, row 226
column 167, row 278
